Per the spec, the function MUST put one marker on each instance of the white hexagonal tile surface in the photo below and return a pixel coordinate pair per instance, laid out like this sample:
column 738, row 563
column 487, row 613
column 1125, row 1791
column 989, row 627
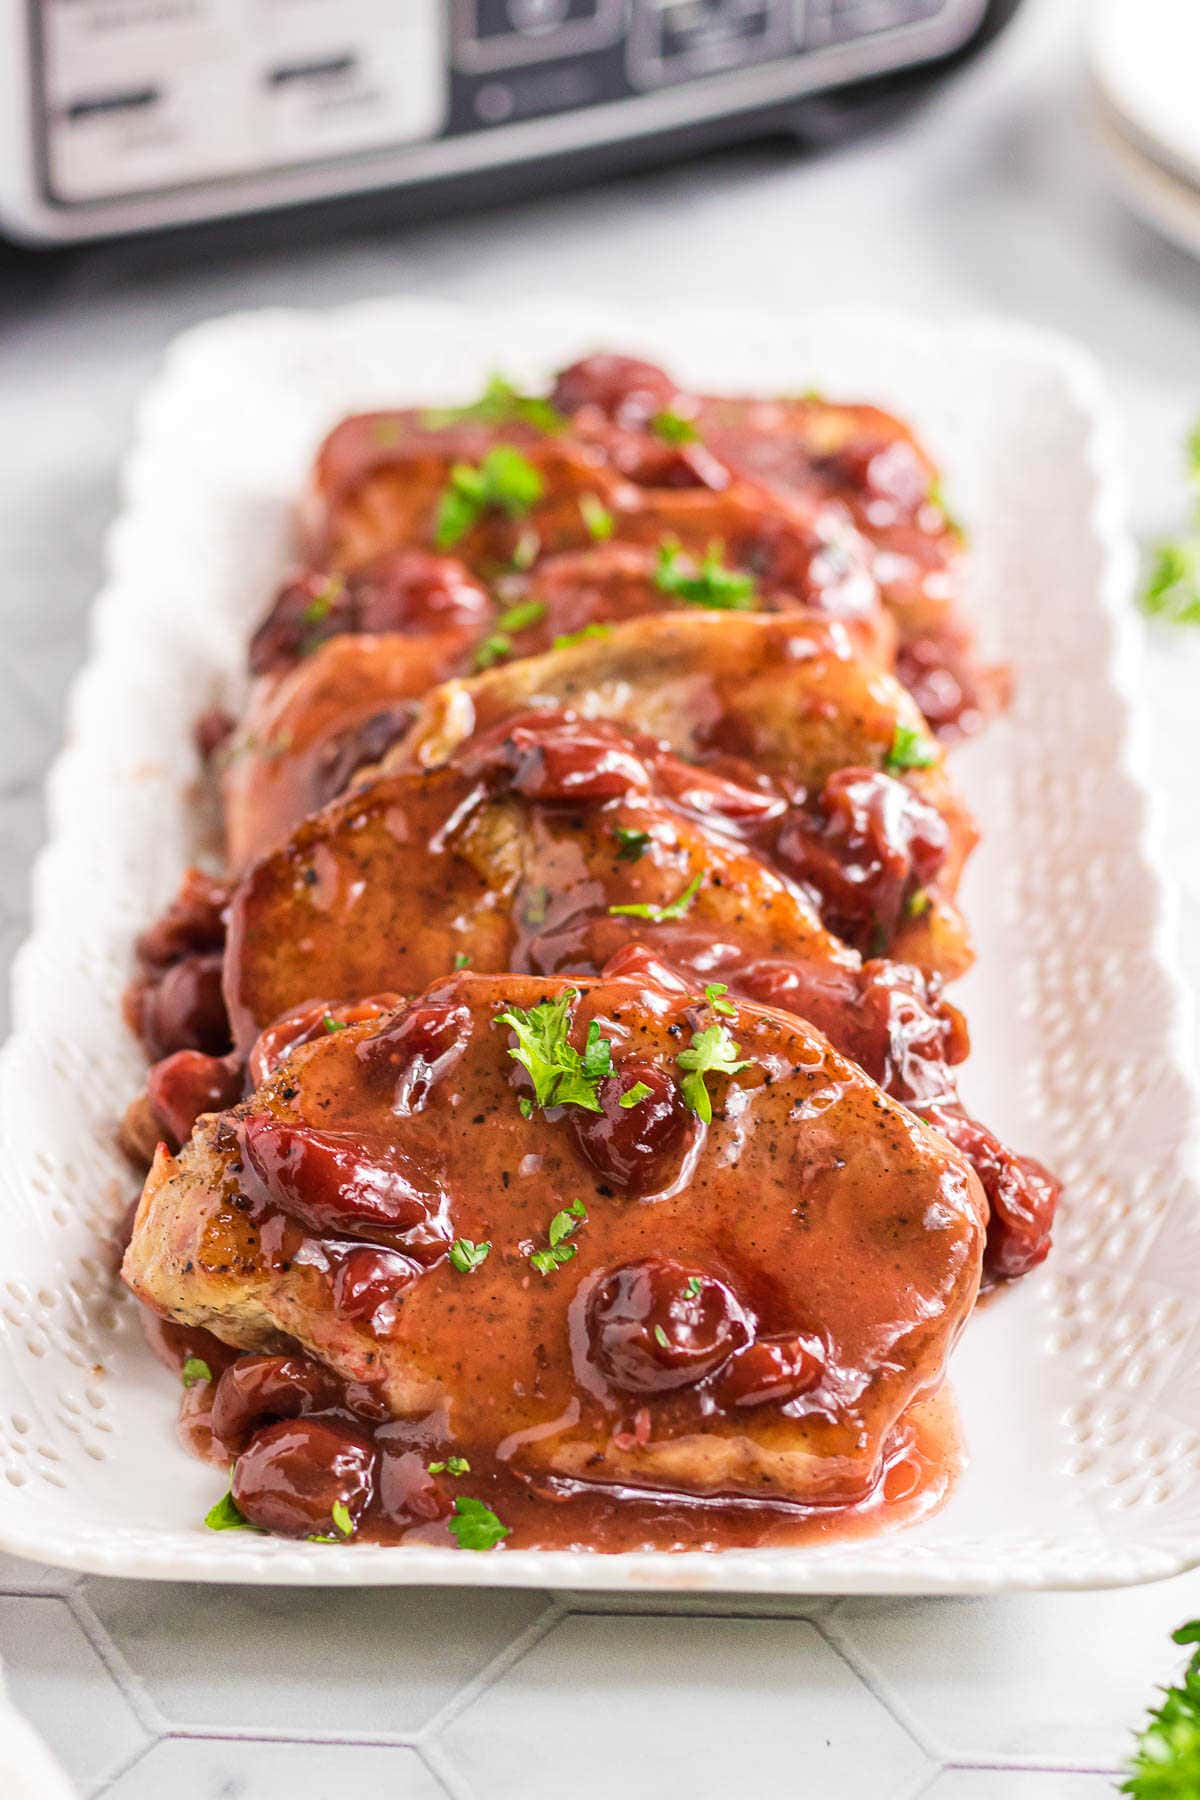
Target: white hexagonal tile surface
column 229, row 1769
column 609, row 1704
column 1059, row 1680
column 375, row 1663
column 61, row 1685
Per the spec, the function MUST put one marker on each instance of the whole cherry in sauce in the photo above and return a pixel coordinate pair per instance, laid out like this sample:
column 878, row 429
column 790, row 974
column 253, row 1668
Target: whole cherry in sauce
column 368, row 1283
column 658, row 1324
column 260, row 1390
column 293, row 1473
column 554, row 756
column 637, row 1147
column 182, row 1086
column 304, row 1023
column 184, row 1008
column 337, row 1183
column 772, row 1370
column 624, row 389
column 416, row 1052
column 866, row 847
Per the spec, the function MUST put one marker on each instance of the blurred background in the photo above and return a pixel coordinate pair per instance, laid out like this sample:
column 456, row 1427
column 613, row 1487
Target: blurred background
column 1034, row 158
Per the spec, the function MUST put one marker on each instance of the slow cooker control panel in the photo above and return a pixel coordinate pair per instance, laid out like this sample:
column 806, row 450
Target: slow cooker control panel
column 145, row 96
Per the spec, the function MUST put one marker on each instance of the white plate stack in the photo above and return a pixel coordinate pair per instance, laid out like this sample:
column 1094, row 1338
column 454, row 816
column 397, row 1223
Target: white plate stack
column 1144, row 55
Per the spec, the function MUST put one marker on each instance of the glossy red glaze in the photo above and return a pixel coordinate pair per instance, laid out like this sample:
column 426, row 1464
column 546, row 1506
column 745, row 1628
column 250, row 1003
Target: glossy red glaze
column 339, row 1183
column 303, row 1024
column 772, row 1371
column 258, row 1390
column 409, row 591
column 293, row 1474
column 640, row 1149
column 867, row 846
column 188, row 1083
column 658, row 1324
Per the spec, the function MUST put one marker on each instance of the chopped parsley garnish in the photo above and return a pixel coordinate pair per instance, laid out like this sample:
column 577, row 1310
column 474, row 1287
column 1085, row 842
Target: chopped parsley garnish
column 500, row 404
column 525, row 1106
column 694, row 1285
column 673, row 428
column 319, row 606
column 560, row 1075
column 713, row 993
column 195, row 1369
column 635, row 1095
column 660, row 1337
column 1172, row 586
column 711, row 1052
column 467, row 1256
column 917, row 904
column 567, row 640
column 453, row 1465
column 1166, row 1763
column 525, row 550
column 935, row 497
column 522, row 615
column 505, row 481
column 674, row 909
column 559, row 1251
column 461, row 959
column 475, row 1526
column 631, row 845
column 491, row 650
column 909, row 750
column 709, row 583
column 596, row 517
column 226, row 1515
column 339, row 1512
column 498, row 644
column 331, row 1024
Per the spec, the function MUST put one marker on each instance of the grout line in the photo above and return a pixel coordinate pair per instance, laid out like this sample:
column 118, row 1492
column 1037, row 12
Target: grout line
column 126, row 1680
column 434, row 1756
column 266, row 1734
column 890, row 1703
column 1046, row 1766
column 121, row 1769
column 491, row 1672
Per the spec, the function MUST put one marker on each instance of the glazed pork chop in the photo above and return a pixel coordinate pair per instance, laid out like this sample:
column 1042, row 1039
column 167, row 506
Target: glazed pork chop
column 502, row 502
column 339, row 659
column 600, row 1233
column 784, row 704
column 859, row 457
column 553, row 846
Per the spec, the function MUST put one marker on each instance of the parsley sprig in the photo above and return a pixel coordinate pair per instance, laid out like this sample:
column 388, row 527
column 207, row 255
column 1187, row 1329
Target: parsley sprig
column 567, row 640
column 475, row 1526
column 560, row 1075
column 711, row 1052
column 505, row 481
column 558, row 1250
column 1166, row 1763
column 631, row 845
column 709, row 584
column 467, row 1256
column 909, row 749
column 498, row 644
column 1171, row 591
column 453, row 1465
column 674, row 909
column 501, row 403
column 195, row 1369
column 673, row 428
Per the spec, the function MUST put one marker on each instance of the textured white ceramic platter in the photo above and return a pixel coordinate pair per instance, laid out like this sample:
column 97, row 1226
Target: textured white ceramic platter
column 1079, row 1391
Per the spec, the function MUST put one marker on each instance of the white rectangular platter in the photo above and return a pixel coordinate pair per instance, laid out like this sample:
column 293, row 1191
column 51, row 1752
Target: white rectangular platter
column 1079, row 1391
